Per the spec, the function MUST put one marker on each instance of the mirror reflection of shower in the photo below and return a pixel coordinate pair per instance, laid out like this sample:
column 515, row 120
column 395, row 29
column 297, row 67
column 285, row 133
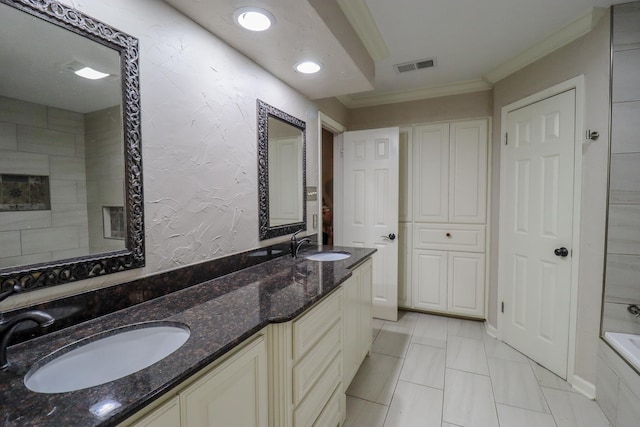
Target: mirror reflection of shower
column 621, row 312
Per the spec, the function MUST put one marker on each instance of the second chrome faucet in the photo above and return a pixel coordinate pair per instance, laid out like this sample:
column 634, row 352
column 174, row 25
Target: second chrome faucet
column 295, row 243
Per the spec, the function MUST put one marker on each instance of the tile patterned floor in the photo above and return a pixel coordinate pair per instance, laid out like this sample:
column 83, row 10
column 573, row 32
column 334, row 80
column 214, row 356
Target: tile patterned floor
column 433, row 371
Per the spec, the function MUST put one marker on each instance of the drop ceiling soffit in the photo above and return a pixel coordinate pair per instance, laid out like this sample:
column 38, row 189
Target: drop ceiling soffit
column 574, row 30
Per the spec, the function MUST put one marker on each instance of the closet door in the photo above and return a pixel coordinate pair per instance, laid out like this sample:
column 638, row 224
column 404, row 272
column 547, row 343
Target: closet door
column 468, row 172
column 431, row 173
column 466, row 283
column 430, row 280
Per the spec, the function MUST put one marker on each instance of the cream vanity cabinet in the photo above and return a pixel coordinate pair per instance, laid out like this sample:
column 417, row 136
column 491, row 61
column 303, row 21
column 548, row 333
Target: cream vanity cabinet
column 314, row 358
column 231, row 393
column 292, row 374
column 357, row 320
column 443, row 230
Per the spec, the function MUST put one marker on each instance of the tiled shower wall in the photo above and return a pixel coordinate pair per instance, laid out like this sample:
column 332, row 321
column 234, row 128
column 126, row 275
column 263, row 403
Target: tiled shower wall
column 617, row 384
column 622, row 286
column 40, row 140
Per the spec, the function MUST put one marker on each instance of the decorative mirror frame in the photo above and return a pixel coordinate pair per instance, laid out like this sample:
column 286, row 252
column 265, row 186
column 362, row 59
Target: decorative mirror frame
column 265, row 230
column 52, row 273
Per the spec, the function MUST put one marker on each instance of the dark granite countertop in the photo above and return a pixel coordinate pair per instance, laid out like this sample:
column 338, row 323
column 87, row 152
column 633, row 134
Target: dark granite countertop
column 220, row 313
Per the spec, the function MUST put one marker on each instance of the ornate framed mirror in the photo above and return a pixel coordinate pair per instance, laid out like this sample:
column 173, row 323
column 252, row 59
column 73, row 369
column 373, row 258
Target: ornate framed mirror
column 281, row 172
column 71, row 198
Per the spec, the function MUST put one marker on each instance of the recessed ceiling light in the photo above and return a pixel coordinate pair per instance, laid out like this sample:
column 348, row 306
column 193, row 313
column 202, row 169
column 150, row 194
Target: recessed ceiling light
column 90, row 73
column 254, row 18
column 308, row 67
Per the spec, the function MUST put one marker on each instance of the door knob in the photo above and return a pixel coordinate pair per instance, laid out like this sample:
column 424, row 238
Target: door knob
column 562, row 252
column 391, row 236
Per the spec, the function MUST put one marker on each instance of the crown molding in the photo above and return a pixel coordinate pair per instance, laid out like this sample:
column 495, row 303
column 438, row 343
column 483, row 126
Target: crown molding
column 565, row 35
column 359, row 15
column 359, row 101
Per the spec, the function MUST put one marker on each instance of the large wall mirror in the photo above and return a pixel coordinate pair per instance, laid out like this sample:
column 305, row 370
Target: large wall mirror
column 621, row 297
column 71, row 203
column 281, row 172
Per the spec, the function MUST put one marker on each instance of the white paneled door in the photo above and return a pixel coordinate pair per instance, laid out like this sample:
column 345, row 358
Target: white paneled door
column 536, row 229
column 370, row 203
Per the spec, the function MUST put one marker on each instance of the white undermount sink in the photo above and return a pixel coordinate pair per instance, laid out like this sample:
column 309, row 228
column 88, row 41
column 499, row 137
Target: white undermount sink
column 329, row 256
column 106, row 357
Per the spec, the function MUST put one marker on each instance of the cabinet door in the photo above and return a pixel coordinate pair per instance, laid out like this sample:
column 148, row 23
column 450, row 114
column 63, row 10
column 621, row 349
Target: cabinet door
column 167, row 415
column 233, row 394
column 429, row 279
column 405, row 237
column 351, row 318
column 405, row 197
column 366, row 313
column 431, row 173
column 468, row 172
column 466, row 283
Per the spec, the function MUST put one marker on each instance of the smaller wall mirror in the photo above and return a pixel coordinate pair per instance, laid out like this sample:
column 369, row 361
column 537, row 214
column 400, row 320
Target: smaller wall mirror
column 281, row 172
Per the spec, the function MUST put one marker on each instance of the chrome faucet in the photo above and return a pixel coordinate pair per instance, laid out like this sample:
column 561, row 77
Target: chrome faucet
column 8, row 326
column 295, row 243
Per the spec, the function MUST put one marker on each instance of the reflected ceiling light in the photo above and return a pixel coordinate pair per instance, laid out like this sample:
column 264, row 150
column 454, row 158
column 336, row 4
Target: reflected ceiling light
column 254, row 18
column 308, row 67
column 90, row 73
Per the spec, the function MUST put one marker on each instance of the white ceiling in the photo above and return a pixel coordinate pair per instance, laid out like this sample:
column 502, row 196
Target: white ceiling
column 475, row 42
column 33, row 57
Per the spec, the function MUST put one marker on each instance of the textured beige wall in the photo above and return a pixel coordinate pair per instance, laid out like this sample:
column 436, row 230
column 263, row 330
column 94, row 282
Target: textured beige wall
column 334, row 109
column 588, row 55
column 199, row 141
column 454, row 107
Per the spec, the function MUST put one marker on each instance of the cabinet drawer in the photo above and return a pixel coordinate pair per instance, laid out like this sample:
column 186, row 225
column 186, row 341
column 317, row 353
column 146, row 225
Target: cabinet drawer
column 310, row 408
column 310, row 328
column 331, row 415
column 460, row 237
column 309, row 369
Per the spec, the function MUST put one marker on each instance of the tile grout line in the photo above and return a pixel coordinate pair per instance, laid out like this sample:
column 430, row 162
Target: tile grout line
column 493, row 392
column 444, row 381
column 386, row 415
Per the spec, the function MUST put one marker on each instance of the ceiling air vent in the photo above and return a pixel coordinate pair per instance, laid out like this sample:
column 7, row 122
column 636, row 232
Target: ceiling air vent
column 415, row 65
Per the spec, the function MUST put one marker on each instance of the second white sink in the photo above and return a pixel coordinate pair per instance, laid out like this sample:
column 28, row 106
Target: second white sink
column 329, row 256
column 106, row 357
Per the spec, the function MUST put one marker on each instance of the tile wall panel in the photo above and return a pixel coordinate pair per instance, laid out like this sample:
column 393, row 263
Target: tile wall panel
column 22, row 112
column 626, row 79
column 8, row 136
column 45, row 141
column 49, row 239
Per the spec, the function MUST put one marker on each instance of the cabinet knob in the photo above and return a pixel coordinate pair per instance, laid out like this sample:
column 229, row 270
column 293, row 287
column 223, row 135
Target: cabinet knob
column 448, row 234
column 391, row 236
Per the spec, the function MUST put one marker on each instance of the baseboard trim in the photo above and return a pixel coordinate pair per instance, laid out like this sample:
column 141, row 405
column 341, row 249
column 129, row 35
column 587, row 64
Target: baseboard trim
column 490, row 329
column 584, row 387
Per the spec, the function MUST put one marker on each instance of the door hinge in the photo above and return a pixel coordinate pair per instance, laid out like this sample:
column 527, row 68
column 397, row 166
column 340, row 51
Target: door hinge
column 502, row 306
column 506, row 139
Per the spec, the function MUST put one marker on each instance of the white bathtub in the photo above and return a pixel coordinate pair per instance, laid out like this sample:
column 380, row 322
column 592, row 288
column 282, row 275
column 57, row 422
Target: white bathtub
column 628, row 345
